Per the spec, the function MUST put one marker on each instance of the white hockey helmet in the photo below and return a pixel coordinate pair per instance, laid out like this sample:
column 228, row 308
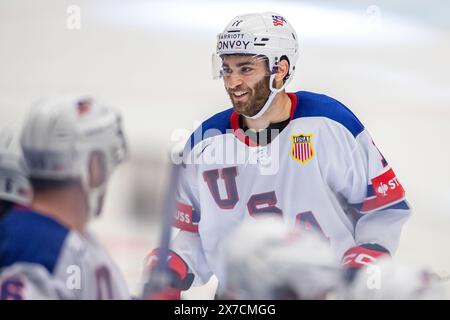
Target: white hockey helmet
column 388, row 280
column 65, row 137
column 265, row 34
column 14, row 184
column 265, row 258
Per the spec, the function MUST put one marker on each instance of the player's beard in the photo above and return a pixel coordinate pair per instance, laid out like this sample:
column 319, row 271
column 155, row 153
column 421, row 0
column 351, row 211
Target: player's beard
column 256, row 98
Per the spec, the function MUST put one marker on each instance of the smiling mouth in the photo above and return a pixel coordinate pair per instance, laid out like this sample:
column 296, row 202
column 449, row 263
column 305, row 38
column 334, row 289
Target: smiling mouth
column 239, row 95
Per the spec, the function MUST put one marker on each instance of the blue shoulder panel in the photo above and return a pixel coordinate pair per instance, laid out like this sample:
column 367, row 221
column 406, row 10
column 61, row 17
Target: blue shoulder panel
column 311, row 104
column 217, row 124
column 30, row 237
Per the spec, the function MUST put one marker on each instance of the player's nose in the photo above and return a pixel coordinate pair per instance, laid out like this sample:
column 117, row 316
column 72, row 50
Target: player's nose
column 233, row 81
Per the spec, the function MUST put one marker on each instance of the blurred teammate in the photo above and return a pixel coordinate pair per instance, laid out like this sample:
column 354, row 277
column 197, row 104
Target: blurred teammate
column 267, row 259
column 303, row 156
column 14, row 185
column 71, row 146
column 388, row 280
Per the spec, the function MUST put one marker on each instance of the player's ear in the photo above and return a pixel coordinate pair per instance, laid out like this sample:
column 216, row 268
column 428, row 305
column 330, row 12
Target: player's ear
column 283, row 70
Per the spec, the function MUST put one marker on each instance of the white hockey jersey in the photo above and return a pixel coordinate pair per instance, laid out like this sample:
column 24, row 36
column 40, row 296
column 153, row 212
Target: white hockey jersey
column 42, row 259
column 322, row 171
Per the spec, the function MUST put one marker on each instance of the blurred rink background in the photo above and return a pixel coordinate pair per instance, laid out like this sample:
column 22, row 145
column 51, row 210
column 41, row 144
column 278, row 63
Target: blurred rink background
column 387, row 60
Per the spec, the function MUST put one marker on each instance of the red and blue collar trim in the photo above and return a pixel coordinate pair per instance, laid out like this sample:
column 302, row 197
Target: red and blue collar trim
column 239, row 133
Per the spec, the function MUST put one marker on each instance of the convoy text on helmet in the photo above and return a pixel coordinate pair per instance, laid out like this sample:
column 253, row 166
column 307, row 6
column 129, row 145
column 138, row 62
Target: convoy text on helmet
column 260, row 34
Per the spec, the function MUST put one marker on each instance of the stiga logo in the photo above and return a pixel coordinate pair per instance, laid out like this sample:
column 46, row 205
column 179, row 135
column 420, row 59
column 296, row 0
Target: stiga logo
column 387, row 185
column 384, row 188
column 388, row 190
column 301, row 148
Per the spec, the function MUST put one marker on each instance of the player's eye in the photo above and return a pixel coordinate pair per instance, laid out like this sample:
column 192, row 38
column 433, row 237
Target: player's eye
column 226, row 71
column 246, row 70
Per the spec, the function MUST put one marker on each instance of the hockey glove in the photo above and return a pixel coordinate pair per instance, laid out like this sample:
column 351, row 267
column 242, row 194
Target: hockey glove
column 361, row 256
column 179, row 277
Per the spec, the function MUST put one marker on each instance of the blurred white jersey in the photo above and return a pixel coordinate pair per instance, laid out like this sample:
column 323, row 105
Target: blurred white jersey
column 322, row 171
column 42, row 259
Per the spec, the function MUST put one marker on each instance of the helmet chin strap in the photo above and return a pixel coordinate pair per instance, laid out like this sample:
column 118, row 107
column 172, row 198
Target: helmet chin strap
column 95, row 202
column 273, row 93
column 93, row 195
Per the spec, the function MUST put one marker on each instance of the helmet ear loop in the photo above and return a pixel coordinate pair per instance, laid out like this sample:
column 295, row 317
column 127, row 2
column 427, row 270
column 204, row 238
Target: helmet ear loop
column 272, row 87
column 272, row 79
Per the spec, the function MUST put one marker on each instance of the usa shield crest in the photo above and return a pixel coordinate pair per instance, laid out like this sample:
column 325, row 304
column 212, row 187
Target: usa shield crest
column 301, row 149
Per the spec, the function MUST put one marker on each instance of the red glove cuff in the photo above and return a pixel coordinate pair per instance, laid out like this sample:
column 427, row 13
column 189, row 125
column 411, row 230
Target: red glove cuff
column 175, row 262
column 168, row 294
column 358, row 257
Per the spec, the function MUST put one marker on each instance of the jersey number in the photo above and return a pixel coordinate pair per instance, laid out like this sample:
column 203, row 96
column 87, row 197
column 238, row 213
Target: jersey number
column 257, row 204
column 104, row 287
column 11, row 289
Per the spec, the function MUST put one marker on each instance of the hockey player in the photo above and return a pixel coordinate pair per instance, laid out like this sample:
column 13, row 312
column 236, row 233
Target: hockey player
column 278, row 261
column 302, row 155
column 14, row 185
column 71, row 146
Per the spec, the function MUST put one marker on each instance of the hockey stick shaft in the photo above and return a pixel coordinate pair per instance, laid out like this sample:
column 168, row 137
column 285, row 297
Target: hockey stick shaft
column 160, row 277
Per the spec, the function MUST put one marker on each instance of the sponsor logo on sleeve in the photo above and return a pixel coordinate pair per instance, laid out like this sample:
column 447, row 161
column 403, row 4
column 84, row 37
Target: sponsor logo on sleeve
column 185, row 218
column 387, row 187
column 388, row 190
